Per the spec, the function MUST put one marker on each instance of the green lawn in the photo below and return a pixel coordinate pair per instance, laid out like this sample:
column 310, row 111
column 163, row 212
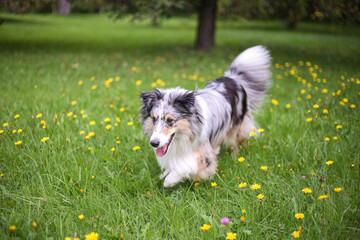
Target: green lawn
column 49, row 66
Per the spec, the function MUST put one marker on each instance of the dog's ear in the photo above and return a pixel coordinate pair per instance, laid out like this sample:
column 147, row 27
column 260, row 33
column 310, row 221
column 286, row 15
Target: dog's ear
column 149, row 99
column 185, row 102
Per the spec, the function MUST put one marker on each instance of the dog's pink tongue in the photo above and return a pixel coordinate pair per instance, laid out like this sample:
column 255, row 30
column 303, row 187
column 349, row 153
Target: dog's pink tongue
column 161, row 151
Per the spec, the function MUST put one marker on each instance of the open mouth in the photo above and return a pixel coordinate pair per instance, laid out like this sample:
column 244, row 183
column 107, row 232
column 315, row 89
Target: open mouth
column 163, row 150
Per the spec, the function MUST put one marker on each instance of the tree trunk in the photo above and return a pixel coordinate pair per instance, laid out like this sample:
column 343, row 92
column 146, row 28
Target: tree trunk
column 206, row 25
column 64, row 7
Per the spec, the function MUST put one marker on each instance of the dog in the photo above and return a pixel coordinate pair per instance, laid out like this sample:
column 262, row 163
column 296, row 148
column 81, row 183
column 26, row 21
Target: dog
column 186, row 128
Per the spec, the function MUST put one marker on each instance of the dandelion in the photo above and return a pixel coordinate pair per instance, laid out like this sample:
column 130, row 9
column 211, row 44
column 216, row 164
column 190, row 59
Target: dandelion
column 80, row 82
column 205, row 227
column 255, row 186
column 18, row 142
column 81, row 217
column 89, row 148
column 242, row 185
column 338, row 189
column 224, row 221
column 107, row 120
column 20, row 131
column 263, row 168
column 241, row 159
column 288, row 106
column 16, row 116
column 39, row 115
column 93, row 87
column 230, row 236
column 327, row 139
column 329, row 162
column 138, row 83
column 92, row 236
column 275, row 102
column 251, row 134
column 92, row 123
column 122, row 109
column 113, row 149
column 44, row 139
column 325, row 111
column 316, row 106
column 34, row 224
column 307, row 190
column 260, row 130
column 136, row 148
column 323, row 197
column 1, row 131
column 12, row 228
column 5, row 124
column 352, row 106
column 82, row 132
column 69, row 114
column 73, row 103
column 309, row 119
column 92, row 177
column 335, row 138
column 299, row 215
column 260, row 196
column 130, row 123
column 338, row 127
column 108, row 127
column 296, row 234
column 242, row 219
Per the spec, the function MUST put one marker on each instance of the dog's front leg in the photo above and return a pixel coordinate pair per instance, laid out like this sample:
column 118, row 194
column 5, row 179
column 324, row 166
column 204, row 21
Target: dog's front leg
column 172, row 179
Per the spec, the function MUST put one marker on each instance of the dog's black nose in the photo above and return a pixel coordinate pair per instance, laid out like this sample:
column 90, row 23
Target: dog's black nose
column 155, row 143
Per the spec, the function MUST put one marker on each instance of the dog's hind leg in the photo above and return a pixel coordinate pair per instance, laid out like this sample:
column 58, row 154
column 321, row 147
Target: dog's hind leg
column 206, row 161
column 238, row 134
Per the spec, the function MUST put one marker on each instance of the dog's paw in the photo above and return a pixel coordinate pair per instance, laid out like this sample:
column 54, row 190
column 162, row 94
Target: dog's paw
column 172, row 179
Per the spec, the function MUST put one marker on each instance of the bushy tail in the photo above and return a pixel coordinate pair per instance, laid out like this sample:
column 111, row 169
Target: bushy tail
column 251, row 70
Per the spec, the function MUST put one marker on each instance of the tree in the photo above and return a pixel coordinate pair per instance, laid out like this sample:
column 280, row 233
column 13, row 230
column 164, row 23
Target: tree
column 64, row 7
column 158, row 9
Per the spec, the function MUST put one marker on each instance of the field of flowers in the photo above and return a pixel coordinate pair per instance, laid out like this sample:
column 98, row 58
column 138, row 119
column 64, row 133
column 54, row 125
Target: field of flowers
column 75, row 164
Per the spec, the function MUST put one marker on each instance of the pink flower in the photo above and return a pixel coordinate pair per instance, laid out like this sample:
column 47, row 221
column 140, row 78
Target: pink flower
column 225, row 221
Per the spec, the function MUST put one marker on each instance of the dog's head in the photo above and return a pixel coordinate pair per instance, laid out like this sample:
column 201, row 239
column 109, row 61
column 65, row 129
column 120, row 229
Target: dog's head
column 166, row 117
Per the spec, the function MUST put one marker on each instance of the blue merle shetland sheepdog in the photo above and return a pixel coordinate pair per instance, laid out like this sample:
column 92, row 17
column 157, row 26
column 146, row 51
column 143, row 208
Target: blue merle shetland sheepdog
column 186, row 128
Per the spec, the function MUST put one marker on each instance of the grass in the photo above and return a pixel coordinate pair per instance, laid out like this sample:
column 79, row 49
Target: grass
column 42, row 60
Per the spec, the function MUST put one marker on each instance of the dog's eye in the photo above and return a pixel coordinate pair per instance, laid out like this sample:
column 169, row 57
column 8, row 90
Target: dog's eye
column 170, row 121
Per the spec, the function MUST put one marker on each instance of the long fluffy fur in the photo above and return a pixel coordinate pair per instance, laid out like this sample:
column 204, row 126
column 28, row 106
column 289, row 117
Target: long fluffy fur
column 186, row 128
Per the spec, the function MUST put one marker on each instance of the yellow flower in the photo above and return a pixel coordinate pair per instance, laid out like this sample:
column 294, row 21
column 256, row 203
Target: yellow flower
column 260, row 196
column 345, row 100
column 130, row 123
column 205, row 227
column 316, row 106
column 5, row 124
column 1, row 131
column 138, row 82
column 299, row 215
column 73, row 103
column 113, row 149
column 14, row 131
column 255, row 186
column 242, row 219
column 243, row 211
column 263, row 168
column 89, row 148
column 108, row 127
column 303, row 91
column 327, row 139
column 34, row 224
column 338, row 189
column 136, row 148
column 44, row 139
column 325, row 111
column 329, row 163
column 93, row 87
column 338, row 126
column 323, row 196
column 324, row 90
column 18, row 142
column 92, row 123
column 335, row 138
column 275, row 102
column 230, row 236
column 12, row 228
column 20, row 130
column 107, row 120
column 213, row 184
column 307, row 190
column 252, row 134
column 91, row 134
column 197, row 184
column 81, row 217
column 288, row 105
column 241, row 159
column 82, row 132
column 16, row 116
column 242, row 185
column 92, row 236
column 92, row 177
column 39, row 115
column 69, row 114
column 309, row 119
column 296, row 234
column 80, row 82
column 260, row 130
column 352, row 106
column 122, row 109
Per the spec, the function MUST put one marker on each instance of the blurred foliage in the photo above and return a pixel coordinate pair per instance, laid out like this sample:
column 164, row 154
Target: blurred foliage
column 346, row 11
